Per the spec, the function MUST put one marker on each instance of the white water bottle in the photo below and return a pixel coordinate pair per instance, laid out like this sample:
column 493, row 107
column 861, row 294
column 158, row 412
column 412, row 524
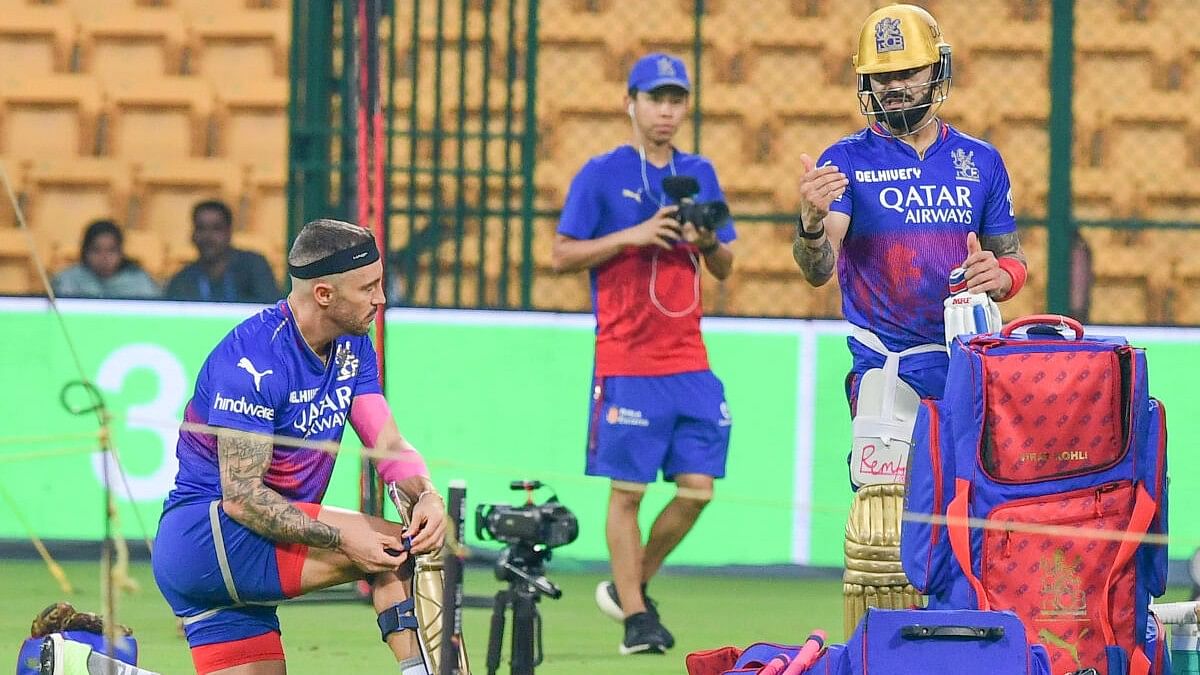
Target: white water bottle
column 968, row 313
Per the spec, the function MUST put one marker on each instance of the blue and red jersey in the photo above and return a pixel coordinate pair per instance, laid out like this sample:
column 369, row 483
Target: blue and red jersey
column 646, row 300
column 909, row 219
column 264, row 378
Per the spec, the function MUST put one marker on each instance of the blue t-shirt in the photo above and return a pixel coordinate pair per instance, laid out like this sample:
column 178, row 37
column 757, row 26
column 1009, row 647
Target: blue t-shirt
column 909, row 219
column 263, row 377
column 646, row 300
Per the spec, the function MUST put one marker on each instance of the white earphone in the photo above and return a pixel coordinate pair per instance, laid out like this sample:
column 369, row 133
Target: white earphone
column 630, row 110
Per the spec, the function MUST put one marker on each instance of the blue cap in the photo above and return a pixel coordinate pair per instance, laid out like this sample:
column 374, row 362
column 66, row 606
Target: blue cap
column 658, row 70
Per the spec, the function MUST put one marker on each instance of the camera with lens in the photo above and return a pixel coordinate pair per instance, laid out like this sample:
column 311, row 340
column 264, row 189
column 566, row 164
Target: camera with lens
column 549, row 524
column 704, row 215
column 530, row 532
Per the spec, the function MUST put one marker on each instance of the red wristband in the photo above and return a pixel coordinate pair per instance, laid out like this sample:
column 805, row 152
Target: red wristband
column 1016, row 270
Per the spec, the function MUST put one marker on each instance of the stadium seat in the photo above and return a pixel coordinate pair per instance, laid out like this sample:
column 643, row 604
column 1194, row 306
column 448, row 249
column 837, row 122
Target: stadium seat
column 266, row 192
column 1097, row 196
column 159, row 118
column 570, row 292
column 191, row 7
column 48, row 115
column 166, row 191
column 1148, row 151
column 36, row 39
column 1185, row 287
column 1176, row 199
column 64, row 195
column 563, row 66
column 17, row 277
column 755, row 189
column 245, row 46
column 1130, row 280
column 147, row 248
column 765, row 248
column 792, row 75
column 564, row 23
column 130, row 43
column 252, row 123
column 424, row 293
column 779, row 295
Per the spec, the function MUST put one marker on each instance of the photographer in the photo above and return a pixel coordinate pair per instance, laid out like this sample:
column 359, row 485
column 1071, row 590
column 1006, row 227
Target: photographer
column 655, row 404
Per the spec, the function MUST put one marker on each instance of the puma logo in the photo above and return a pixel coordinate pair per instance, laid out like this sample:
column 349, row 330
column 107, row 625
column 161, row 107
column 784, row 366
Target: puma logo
column 1053, row 640
column 635, row 196
column 245, row 365
column 360, row 255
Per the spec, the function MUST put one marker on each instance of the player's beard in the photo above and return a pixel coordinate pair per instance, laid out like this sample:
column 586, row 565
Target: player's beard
column 905, row 120
column 355, row 324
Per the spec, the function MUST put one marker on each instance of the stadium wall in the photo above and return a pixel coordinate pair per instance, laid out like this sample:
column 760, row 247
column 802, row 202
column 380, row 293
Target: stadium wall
column 490, row 397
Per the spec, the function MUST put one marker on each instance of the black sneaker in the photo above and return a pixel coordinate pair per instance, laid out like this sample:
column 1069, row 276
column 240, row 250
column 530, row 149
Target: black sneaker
column 610, row 603
column 644, row 635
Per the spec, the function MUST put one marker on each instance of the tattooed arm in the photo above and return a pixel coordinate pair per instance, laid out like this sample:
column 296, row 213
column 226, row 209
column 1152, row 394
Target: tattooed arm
column 244, row 458
column 1004, row 246
column 819, row 188
column 816, row 257
column 985, row 273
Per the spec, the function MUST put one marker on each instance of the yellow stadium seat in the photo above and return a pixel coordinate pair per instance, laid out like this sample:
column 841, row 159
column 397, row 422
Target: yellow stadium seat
column 166, row 191
column 754, row 189
column 764, row 248
column 266, row 190
column 1130, row 282
column 36, row 39
column 1176, row 199
column 48, row 115
column 564, row 23
column 252, row 125
column 240, row 46
column 146, row 248
column 453, row 291
column 122, row 43
column 1185, row 289
column 1097, row 196
column 569, row 292
column 18, row 278
column 778, row 295
column 191, row 7
column 65, row 195
column 159, row 118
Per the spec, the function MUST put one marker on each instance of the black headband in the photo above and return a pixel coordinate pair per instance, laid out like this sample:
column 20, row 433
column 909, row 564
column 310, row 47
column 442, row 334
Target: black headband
column 359, row 255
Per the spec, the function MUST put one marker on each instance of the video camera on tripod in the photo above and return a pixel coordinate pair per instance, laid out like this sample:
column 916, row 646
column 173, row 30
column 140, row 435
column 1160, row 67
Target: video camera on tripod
column 531, row 531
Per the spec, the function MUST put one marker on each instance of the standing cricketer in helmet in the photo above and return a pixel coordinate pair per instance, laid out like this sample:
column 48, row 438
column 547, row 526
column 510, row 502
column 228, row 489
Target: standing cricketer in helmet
column 897, row 206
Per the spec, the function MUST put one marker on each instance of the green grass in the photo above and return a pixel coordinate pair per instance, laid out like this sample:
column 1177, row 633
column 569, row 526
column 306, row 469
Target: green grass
column 702, row 611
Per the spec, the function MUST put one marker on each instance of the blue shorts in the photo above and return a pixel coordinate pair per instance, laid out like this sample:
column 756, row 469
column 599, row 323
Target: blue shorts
column 673, row 423
column 221, row 578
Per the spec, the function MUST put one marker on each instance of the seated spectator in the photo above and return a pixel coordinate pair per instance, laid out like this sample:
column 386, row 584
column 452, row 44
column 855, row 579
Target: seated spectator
column 221, row 273
column 103, row 270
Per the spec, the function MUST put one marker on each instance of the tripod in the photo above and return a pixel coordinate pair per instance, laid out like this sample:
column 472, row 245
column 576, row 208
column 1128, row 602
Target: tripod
column 522, row 566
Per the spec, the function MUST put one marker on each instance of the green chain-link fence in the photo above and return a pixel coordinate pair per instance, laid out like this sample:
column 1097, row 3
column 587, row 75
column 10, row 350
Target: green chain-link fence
column 495, row 104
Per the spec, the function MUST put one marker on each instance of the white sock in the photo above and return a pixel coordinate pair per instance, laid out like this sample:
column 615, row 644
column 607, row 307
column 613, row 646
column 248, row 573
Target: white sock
column 413, row 666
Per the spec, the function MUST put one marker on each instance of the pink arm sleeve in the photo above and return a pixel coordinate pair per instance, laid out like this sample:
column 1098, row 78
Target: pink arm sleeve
column 371, row 419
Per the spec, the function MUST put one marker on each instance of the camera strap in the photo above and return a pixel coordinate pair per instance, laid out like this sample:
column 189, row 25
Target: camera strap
column 646, row 180
column 673, row 314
